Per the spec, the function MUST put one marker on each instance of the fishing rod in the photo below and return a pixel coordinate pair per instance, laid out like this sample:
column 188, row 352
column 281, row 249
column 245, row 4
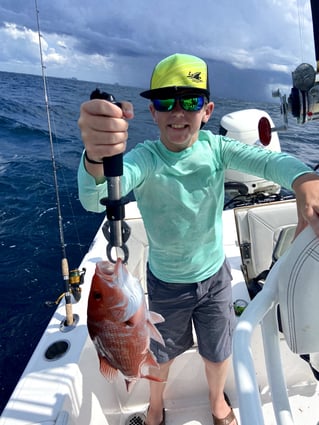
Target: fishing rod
column 303, row 101
column 74, row 278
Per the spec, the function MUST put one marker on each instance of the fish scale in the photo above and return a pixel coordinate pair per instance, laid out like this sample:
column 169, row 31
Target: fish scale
column 127, row 345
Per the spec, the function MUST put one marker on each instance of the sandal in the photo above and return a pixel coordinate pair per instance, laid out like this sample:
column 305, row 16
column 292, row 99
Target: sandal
column 163, row 420
column 229, row 418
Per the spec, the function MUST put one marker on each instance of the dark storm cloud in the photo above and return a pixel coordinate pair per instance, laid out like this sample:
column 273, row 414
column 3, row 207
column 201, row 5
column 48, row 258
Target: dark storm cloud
column 121, row 41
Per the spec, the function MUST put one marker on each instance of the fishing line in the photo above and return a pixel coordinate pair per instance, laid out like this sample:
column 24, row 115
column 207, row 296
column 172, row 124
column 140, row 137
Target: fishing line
column 75, row 277
column 301, row 25
column 302, row 11
column 61, row 169
column 52, row 125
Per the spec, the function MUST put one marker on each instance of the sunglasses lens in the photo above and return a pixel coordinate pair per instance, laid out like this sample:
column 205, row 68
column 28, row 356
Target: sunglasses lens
column 188, row 103
column 192, row 103
column 164, row 105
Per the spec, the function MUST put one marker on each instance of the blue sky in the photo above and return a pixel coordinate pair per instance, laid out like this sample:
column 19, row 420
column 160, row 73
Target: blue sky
column 120, row 41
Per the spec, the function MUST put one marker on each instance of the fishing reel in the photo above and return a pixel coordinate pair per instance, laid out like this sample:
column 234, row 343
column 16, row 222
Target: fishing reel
column 75, row 280
column 303, row 101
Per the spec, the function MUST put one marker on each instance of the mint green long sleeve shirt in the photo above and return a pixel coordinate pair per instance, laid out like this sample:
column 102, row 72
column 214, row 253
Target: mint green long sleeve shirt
column 181, row 197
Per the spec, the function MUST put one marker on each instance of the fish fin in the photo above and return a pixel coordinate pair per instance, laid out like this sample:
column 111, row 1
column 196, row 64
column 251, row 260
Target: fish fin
column 153, row 378
column 107, row 370
column 150, row 360
column 155, row 317
column 154, row 333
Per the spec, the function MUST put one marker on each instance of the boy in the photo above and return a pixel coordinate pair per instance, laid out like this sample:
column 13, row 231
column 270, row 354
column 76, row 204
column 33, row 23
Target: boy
column 178, row 182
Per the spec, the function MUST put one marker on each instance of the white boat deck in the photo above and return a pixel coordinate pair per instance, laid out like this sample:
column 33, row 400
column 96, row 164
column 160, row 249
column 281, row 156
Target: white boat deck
column 70, row 389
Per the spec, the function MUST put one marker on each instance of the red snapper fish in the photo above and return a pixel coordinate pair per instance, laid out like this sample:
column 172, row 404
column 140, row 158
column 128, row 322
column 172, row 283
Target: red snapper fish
column 120, row 324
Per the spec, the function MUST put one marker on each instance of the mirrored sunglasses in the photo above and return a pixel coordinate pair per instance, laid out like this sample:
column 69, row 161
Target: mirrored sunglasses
column 188, row 103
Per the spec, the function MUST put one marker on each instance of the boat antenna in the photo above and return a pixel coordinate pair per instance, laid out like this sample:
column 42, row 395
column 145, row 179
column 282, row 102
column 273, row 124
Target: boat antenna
column 64, row 262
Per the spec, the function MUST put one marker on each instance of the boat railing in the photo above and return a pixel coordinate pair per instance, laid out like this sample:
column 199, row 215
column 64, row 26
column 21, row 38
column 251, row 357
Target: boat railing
column 301, row 261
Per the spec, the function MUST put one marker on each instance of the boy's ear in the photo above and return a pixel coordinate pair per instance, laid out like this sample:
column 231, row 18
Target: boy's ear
column 209, row 108
column 153, row 112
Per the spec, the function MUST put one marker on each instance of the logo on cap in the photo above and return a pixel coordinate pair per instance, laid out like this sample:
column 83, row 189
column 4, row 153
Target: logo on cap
column 195, row 76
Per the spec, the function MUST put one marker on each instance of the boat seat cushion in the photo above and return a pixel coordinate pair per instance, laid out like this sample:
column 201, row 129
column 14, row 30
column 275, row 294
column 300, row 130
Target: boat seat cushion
column 258, row 229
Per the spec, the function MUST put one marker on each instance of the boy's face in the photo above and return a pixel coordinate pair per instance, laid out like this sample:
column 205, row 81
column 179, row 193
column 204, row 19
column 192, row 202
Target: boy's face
column 179, row 128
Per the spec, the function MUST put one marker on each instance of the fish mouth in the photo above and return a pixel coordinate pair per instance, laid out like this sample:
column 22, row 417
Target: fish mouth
column 107, row 268
column 107, row 273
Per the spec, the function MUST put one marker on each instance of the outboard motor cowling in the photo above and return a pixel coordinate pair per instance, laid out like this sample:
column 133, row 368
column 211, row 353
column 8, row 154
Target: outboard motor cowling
column 243, row 126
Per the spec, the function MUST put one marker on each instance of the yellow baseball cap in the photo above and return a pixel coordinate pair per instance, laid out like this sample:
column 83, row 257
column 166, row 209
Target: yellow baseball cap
column 177, row 73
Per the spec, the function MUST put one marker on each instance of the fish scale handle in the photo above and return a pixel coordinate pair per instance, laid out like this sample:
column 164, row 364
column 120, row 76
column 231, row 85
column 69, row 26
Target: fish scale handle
column 112, row 165
column 116, row 231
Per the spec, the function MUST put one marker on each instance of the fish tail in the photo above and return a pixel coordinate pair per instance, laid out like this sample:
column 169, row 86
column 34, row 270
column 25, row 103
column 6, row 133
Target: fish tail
column 131, row 382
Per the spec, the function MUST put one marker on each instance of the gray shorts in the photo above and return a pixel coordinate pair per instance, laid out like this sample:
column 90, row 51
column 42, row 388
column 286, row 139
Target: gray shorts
column 207, row 304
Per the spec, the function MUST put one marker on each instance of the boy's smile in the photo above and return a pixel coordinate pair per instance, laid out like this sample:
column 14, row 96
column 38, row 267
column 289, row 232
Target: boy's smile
column 179, row 128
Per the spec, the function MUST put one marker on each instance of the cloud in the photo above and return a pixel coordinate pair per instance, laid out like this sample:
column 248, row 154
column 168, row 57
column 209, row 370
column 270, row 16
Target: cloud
column 21, row 37
column 121, row 41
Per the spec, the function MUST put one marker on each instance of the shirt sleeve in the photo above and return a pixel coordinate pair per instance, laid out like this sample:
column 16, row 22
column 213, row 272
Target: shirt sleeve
column 138, row 164
column 278, row 167
column 90, row 193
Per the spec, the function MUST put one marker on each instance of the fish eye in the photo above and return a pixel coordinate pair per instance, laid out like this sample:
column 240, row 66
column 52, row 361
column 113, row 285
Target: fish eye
column 97, row 295
column 129, row 323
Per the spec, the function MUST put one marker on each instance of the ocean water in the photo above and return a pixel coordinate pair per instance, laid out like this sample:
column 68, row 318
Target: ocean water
column 30, row 249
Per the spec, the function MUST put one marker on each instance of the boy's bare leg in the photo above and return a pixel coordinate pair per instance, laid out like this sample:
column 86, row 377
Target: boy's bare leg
column 216, row 374
column 156, row 406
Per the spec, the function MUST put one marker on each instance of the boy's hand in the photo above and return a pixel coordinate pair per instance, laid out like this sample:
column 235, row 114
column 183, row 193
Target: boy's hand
column 306, row 188
column 104, row 127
